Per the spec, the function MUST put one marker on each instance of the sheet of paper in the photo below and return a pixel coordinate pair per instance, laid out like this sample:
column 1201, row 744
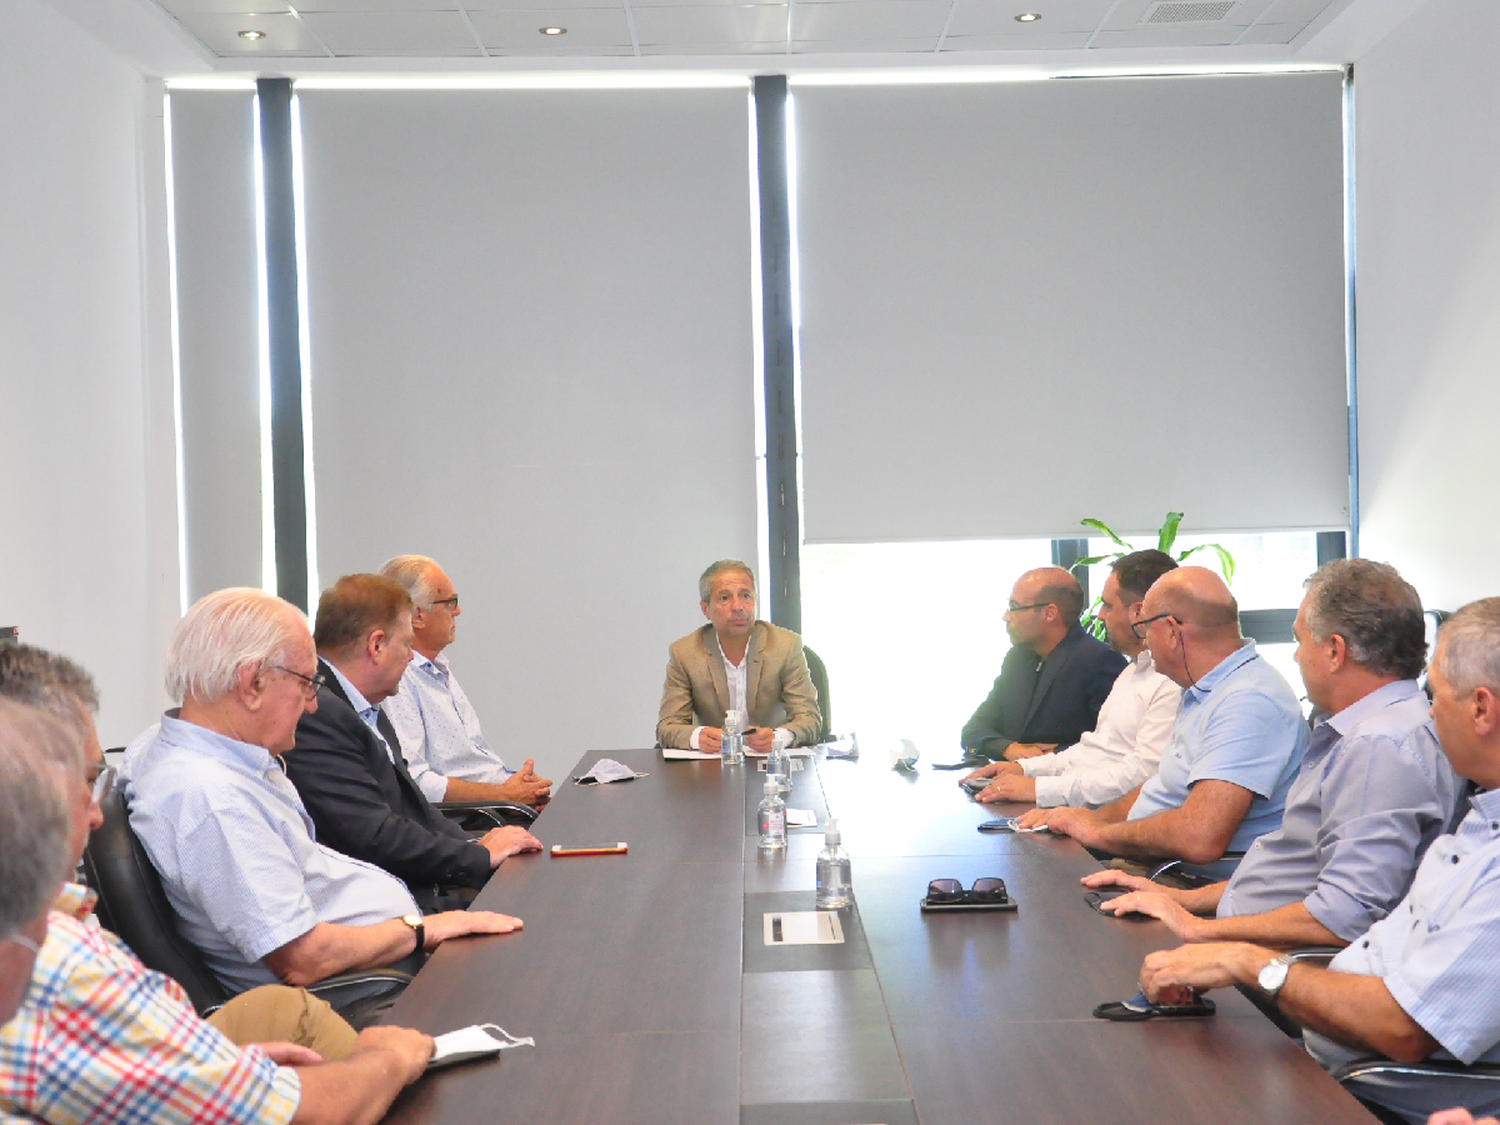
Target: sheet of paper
column 672, row 755
column 791, row 752
column 801, row 818
column 803, row 927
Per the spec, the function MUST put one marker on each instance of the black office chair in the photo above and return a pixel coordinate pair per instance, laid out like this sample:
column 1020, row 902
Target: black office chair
column 819, row 674
column 1192, row 879
column 133, row 905
column 481, row 816
column 1455, row 1080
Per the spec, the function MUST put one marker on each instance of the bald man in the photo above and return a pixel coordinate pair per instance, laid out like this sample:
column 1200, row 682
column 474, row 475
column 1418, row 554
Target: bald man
column 1054, row 678
column 1235, row 747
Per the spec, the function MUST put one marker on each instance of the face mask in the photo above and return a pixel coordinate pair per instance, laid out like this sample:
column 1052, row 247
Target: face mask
column 606, row 770
column 478, row 1041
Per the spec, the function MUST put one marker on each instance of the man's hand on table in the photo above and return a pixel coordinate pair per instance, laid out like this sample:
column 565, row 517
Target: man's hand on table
column 711, row 740
column 1018, row 750
column 759, row 739
column 290, row 1054
column 502, row 843
column 463, row 923
column 1173, row 976
column 410, row 1049
column 1084, row 825
column 526, row 788
column 1008, row 787
column 994, row 769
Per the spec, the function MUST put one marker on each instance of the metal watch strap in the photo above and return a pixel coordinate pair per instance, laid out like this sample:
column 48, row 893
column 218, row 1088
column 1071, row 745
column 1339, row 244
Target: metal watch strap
column 1284, row 962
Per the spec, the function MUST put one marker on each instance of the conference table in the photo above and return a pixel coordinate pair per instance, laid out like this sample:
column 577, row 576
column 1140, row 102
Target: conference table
column 652, row 995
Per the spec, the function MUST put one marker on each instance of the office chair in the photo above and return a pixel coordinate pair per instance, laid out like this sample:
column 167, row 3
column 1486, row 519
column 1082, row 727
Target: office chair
column 133, row 906
column 819, row 673
column 1191, row 878
column 481, row 816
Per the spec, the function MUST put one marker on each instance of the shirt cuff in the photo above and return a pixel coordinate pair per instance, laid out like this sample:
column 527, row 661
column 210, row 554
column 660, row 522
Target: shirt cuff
column 791, row 735
column 1339, row 912
column 693, row 738
column 434, row 786
column 1051, row 792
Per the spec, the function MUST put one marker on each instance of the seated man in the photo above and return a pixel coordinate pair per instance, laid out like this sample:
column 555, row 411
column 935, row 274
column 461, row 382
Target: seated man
column 1125, row 748
column 347, row 763
column 445, row 751
column 1421, row 982
column 1374, row 790
column 1053, row 680
column 1235, row 746
column 34, row 830
column 225, row 829
column 99, row 1036
column 736, row 663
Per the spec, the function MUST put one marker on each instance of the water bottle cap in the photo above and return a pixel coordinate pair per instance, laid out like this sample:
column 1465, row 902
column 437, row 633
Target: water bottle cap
column 831, row 835
column 770, row 788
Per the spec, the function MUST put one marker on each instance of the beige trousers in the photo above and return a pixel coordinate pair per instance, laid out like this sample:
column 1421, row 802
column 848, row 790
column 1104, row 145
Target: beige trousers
column 276, row 1013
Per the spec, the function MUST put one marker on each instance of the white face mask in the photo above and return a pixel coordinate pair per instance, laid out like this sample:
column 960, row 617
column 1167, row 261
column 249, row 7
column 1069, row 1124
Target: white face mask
column 477, row 1041
column 606, row 770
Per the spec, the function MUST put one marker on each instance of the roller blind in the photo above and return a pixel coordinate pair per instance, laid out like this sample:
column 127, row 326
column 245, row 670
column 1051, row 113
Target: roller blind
column 531, row 358
column 1023, row 304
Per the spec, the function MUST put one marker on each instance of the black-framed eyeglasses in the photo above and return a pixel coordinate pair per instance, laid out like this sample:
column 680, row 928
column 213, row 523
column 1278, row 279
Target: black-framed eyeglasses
column 942, row 892
column 100, row 779
column 310, row 684
column 451, row 603
column 1014, row 608
column 1139, row 627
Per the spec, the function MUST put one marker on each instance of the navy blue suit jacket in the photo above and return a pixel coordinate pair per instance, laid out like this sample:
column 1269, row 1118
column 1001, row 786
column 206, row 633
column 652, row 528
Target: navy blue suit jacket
column 1073, row 684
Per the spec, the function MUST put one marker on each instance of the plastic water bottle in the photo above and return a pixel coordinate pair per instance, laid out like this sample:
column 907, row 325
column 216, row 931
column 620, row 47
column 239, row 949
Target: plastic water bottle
column 732, row 740
column 772, row 817
column 779, row 765
column 833, row 871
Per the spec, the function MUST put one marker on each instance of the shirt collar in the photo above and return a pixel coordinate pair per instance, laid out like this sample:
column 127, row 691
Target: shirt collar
column 437, row 666
column 356, row 698
column 75, row 900
column 1143, row 662
column 212, row 744
column 1384, row 696
column 1486, row 804
column 1225, row 668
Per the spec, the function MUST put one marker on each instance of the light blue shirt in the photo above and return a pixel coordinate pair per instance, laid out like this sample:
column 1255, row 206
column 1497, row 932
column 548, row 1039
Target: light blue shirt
column 1437, row 953
column 234, row 846
column 439, row 730
column 1374, row 790
column 1240, row 723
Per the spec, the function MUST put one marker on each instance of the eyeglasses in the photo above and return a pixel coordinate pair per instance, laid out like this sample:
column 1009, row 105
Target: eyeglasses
column 101, row 780
column 26, row 943
column 310, row 684
column 1139, row 627
column 451, row 603
column 1014, row 608
column 948, row 891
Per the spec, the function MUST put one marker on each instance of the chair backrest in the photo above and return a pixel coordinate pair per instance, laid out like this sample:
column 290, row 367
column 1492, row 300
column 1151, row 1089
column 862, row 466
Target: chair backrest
column 133, row 905
column 820, row 681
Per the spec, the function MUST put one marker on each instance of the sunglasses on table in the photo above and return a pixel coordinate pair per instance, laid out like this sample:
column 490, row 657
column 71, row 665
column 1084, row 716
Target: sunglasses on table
column 950, row 892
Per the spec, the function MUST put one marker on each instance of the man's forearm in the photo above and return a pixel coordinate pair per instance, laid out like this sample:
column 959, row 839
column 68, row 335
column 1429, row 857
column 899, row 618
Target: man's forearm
column 1285, row 927
column 1358, row 1011
column 461, row 790
column 327, row 949
column 356, row 1091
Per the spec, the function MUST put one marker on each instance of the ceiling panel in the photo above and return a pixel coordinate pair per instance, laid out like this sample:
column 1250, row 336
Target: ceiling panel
column 1272, row 32
column 1182, row 35
column 727, row 49
column 179, row 7
column 1296, row 11
column 1046, row 41
column 305, row 6
column 716, row 23
column 1133, row 14
column 987, row 17
column 588, row 28
column 926, row 44
column 867, row 20
column 417, row 33
column 219, row 31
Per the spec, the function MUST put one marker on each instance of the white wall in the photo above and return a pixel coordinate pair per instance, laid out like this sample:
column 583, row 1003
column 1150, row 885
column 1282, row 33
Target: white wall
column 1428, row 136
column 87, row 506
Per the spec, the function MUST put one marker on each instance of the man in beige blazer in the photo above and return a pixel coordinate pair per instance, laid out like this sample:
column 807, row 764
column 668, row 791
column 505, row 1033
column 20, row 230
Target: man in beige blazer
column 735, row 662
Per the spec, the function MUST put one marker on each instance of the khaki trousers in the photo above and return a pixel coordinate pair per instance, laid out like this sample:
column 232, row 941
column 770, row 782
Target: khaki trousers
column 275, row 1013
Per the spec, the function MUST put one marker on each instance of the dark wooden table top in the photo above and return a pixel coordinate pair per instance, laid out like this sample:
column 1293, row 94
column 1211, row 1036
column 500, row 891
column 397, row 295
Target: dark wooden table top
column 651, row 998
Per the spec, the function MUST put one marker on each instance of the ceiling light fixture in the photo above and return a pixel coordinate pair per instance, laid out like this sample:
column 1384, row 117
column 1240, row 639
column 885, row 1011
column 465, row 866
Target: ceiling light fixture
column 252, row 34
column 1028, row 17
column 553, row 30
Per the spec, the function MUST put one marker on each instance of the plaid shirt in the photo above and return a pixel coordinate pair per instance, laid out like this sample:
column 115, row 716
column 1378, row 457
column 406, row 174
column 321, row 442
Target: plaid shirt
column 102, row 1038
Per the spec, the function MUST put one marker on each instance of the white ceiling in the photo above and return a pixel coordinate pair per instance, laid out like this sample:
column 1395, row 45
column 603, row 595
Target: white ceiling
column 184, row 37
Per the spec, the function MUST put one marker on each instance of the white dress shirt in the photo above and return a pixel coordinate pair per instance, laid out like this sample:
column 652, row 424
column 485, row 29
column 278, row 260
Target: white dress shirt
column 735, row 675
column 439, row 730
column 1121, row 752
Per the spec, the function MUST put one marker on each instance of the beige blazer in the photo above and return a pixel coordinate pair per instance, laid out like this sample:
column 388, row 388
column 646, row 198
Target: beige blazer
column 778, row 688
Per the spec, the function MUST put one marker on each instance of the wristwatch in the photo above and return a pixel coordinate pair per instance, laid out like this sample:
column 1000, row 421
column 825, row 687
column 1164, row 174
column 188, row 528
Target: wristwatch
column 1272, row 975
column 418, row 927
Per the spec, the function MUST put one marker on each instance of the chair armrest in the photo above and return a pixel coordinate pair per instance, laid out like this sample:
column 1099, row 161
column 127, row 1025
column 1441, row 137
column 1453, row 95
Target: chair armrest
column 360, row 996
column 1315, row 954
column 500, row 812
column 1173, row 863
column 1363, row 1068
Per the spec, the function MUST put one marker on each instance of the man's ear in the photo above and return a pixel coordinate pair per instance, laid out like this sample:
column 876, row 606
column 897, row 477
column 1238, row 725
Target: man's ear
column 1337, row 650
column 704, row 607
column 1485, row 711
column 376, row 643
column 250, row 686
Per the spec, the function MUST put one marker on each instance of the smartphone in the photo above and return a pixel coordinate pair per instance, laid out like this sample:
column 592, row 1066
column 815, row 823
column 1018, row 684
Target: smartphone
column 590, row 849
column 976, row 785
column 1009, row 824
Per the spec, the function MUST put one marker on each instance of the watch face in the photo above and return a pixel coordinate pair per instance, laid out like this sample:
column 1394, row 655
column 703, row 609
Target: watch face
column 1273, row 975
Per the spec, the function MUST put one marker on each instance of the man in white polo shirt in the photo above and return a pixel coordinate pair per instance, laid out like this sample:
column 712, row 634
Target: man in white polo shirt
column 445, row 751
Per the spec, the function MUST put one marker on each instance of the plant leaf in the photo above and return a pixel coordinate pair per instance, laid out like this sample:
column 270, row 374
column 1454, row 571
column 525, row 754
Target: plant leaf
column 1099, row 525
column 1094, row 560
column 1226, row 562
column 1168, row 533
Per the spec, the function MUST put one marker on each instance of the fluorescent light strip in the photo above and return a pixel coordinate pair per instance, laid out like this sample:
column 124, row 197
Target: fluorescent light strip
column 796, row 263
column 263, row 324
column 533, row 80
column 758, row 362
column 946, row 75
column 304, row 345
column 177, row 440
column 211, row 82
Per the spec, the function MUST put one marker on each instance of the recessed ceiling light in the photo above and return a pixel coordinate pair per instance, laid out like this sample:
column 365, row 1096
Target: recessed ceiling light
column 553, row 30
column 252, row 34
column 1029, row 17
